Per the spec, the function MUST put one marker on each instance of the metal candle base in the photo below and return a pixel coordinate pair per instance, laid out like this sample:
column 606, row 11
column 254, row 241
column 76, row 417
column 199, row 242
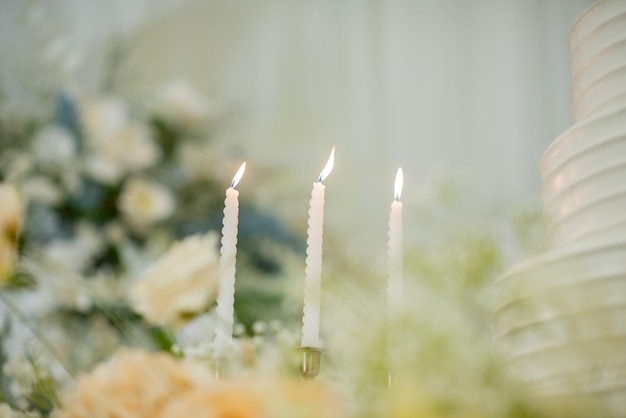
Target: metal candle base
column 219, row 368
column 310, row 366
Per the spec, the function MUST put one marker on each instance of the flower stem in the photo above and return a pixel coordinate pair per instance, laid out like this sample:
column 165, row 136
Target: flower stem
column 36, row 332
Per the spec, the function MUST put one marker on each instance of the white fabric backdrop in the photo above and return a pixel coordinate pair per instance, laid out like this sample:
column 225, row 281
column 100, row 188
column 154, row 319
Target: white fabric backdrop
column 479, row 87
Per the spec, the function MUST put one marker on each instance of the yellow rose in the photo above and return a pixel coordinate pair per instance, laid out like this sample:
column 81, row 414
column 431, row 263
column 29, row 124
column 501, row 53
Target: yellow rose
column 10, row 223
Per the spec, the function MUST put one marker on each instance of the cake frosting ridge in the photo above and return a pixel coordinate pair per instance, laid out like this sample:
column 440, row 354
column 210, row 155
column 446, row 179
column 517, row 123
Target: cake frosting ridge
column 558, row 317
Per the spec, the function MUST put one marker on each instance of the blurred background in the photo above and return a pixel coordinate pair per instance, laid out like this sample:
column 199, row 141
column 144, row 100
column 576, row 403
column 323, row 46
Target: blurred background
column 469, row 90
column 123, row 122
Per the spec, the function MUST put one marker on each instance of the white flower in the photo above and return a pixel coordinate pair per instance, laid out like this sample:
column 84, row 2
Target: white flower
column 114, row 232
column 57, row 287
column 178, row 103
column 182, row 282
column 129, row 150
column 117, row 146
column 259, row 327
column 19, row 165
column 103, row 118
column 75, row 254
column 7, row 412
column 195, row 339
column 58, row 270
column 41, row 189
column 107, row 290
column 204, row 161
column 144, row 202
column 197, row 331
column 23, row 374
column 54, row 146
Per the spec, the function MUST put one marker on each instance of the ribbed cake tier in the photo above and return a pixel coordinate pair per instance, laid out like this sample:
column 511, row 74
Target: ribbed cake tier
column 559, row 319
column 598, row 59
column 583, row 171
column 559, row 323
column 583, row 176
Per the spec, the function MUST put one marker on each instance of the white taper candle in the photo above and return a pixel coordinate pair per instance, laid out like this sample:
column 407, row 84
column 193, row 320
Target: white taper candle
column 394, row 247
column 226, row 293
column 313, row 272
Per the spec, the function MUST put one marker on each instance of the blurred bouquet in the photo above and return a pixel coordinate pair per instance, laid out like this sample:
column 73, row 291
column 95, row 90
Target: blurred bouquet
column 108, row 240
column 142, row 385
column 109, row 220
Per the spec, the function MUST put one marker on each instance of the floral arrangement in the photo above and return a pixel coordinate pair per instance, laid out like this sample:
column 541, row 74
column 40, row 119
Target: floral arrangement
column 181, row 388
column 108, row 237
column 109, row 270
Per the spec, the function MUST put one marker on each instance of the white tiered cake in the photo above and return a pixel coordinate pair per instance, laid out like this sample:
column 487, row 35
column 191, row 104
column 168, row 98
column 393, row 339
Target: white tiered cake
column 560, row 318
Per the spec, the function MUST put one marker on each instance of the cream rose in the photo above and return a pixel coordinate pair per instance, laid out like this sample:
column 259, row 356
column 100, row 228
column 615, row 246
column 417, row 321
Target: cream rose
column 103, row 118
column 183, row 282
column 145, row 202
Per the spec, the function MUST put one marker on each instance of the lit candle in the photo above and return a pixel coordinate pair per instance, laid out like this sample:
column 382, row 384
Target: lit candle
column 394, row 246
column 226, row 293
column 313, row 272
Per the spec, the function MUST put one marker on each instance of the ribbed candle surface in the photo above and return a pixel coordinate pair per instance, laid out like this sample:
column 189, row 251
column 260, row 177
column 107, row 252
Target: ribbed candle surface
column 313, row 272
column 394, row 247
column 226, row 296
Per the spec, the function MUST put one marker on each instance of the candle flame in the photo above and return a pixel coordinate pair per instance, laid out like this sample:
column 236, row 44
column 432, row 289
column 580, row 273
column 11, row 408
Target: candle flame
column 329, row 166
column 399, row 180
column 238, row 176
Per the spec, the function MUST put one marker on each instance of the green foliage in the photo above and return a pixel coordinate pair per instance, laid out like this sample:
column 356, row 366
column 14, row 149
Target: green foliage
column 43, row 395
